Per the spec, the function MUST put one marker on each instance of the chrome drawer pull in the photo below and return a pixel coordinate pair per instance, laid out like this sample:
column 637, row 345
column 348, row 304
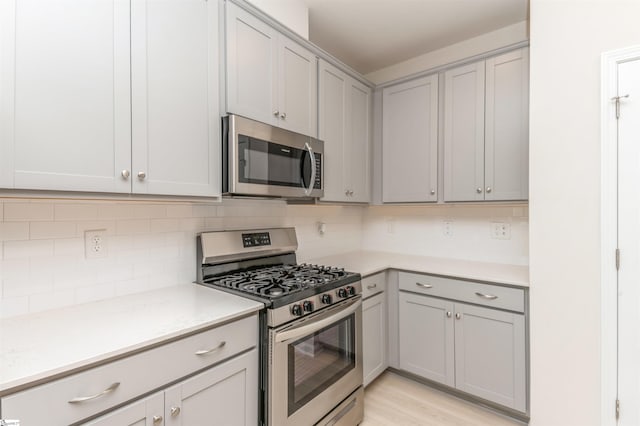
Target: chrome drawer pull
column 486, row 296
column 205, row 352
column 424, row 285
column 80, row 399
column 371, row 287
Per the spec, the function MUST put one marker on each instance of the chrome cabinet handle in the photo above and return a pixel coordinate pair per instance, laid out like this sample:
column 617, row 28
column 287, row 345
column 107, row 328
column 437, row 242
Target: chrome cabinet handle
column 479, row 190
column 458, row 316
column 125, row 174
column 424, row 285
column 370, row 287
column 283, row 115
column 488, row 189
column 350, row 193
column 156, row 419
column 81, row 399
column 142, row 175
column 208, row 351
column 174, row 411
column 448, row 314
column 433, row 192
column 486, row 296
column 346, row 192
column 276, row 113
column 308, row 190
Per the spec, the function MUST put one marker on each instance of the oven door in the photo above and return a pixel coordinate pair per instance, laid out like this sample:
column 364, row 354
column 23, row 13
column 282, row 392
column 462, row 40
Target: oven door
column 314, row 364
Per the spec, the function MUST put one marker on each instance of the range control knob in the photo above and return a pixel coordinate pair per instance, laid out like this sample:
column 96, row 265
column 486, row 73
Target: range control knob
column 296, row 310
column 326, row 299
column 342, row 293
column 307, row 306
column 351, row 290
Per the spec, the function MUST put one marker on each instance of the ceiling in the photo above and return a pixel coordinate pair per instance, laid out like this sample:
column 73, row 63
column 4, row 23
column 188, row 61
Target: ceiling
column 370, row 35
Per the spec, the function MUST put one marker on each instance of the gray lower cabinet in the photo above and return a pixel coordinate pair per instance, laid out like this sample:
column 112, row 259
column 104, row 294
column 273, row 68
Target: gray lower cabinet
column 374, row 337
column 475, row 349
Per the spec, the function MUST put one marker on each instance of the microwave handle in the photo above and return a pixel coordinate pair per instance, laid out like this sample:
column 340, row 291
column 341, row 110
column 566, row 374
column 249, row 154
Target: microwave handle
column 306, row 329
column 312, row 157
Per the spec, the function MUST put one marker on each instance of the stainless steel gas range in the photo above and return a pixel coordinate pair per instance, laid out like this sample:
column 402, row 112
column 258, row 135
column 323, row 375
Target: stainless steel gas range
column 311, row 329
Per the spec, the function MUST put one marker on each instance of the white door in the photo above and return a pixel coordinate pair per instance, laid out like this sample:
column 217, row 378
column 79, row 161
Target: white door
column 629, row 243
column 252, row 66
column 464, row 133
column 174, row 76
column 410, row 141
column 332, row 112
column 65, row 113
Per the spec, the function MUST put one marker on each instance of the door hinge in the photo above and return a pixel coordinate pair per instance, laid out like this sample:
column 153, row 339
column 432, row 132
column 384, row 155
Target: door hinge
column 616, row 99
column 617, row 409
column 617, row 259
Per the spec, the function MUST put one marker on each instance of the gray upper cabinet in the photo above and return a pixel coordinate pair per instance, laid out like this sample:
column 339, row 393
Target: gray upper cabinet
column 99, row 97
column 344, row 115
column 410, row 141
column 486, row 129
column 270, row 78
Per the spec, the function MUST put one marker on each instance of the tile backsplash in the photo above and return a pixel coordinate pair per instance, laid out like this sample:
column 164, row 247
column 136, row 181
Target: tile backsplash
column 148, row 245
column 151, row 244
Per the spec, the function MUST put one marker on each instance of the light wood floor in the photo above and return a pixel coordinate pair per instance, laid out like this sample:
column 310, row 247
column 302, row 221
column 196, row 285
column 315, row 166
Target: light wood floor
column 398, row 401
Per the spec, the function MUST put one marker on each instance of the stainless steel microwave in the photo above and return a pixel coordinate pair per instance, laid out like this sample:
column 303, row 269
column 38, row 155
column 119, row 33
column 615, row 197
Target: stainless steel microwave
column 262, row 160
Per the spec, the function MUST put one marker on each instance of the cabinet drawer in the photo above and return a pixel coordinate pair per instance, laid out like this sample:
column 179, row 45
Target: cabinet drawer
column 135, row 375
column 495, row 296
column 374, row 284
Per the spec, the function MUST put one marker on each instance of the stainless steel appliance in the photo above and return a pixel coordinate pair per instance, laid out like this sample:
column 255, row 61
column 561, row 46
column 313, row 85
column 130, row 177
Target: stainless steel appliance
column 311, row 328
column 262, row 160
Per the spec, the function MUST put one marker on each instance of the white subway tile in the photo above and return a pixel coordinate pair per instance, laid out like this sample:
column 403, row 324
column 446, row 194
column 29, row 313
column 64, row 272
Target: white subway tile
column 51, row 300
column 179, row 211
column 135, row 226
column 200, row 210
column 165, row 225
column 75, row 211
column 18, row 288
column 109, row 226
column 95, row 292
column 69, row 247
column 13, row 306
column 28, row 211
column 15, row 269
column 136, row 285
column 115, row 211
column 149, row 211
column 27, row 249
column 13, row 231
column 52, row 230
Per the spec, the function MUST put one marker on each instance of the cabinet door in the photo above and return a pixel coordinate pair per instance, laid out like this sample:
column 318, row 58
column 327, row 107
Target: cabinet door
column 374, row 337
column 464, row 133
column 252, row 55
column 426, row 337
column 65, row 112
column 226, row 395
column 358, row 142
column 298, row 85
column 332, row 114
column 410, row 141
column 490, row 355
column 175, row 97
column 146, row 412
column 507, row 126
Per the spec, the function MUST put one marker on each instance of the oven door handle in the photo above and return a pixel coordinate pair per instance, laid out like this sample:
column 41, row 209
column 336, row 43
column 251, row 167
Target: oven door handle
column 306, row 329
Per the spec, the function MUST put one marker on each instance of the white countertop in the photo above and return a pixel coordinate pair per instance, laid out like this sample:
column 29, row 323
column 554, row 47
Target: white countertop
column 370, row 262
column 36, row 346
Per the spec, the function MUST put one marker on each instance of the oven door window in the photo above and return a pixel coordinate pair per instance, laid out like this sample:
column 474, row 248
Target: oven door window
column 269, row 163
column 319, row 360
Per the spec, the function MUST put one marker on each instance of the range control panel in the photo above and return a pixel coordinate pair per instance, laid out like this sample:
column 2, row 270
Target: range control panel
column 256, row 239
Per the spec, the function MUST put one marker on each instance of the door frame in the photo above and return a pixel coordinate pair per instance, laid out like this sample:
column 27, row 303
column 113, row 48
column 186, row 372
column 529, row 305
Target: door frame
column 609, row 230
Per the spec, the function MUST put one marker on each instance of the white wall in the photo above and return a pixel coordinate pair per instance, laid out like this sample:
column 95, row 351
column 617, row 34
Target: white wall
column 150, row 245
column 293, row 14
column 419, row 230
column 567, row 38
column 506, row 36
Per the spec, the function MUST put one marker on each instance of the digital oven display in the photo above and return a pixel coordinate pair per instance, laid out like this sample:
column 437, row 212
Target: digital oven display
column 256, row 239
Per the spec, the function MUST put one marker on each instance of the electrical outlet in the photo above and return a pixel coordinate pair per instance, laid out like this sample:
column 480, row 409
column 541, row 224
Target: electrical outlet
column 500, row 231
column 95, row 243
column 447, row 228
